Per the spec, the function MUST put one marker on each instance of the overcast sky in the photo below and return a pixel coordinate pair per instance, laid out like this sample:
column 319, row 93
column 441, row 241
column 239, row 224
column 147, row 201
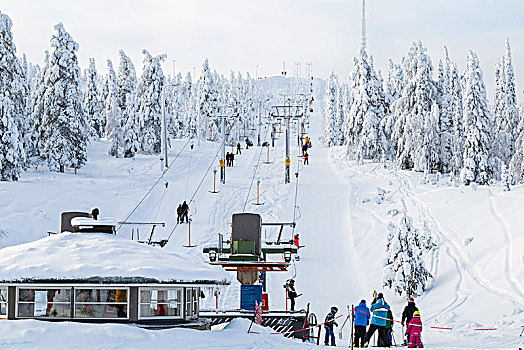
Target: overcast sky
column 241, row 34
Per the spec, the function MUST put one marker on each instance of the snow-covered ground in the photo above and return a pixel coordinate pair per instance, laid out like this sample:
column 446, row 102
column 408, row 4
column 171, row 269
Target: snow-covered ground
column 478, row 264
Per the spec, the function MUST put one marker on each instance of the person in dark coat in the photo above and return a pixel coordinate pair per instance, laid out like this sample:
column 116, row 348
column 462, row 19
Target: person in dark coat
column 306, row 158
column 361, row 316
column 239, row 148
column 407, row 314
column 178, row 213
column 185, row 212
column 231, row 159
column 328, row 325
column 228, row 159
column 292, row 293
column 378, row 322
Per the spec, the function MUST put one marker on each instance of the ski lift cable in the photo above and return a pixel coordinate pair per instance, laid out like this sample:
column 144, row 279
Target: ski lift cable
column 188, row 171
column 200, row 184
column 156, row 182
column 255, row 171
column 350, row 34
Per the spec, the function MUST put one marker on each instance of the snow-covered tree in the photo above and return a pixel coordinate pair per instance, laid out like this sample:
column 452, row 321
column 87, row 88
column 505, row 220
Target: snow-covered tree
column 330, row 111
column 431, row 146
column 189, row 107
column 505, row 109
column 149, row 94
column 417, row 98
column 477, row 126
column 125, row 96
column 64, row 125
column 404, row 268
column 516, row 168
column 504, row 177
column 455, row 90
column 12, row 105
column 207, row 96
column 394, row 83
column 446, row 114
column 367, row 109
column 339, row 115
column 113, row 113
column 92, row 102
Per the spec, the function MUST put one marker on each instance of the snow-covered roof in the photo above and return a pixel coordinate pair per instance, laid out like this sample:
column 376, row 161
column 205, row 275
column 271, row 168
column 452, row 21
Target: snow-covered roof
column 102, row 258
column 81, row 221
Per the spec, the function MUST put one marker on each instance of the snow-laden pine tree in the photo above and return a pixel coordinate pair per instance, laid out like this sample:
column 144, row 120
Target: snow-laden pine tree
column 37, row 114
column 64, row 125
column 175, row 124
column 504, row 178
column 149, row 95
column 91, row 101
column 417, row 98
column 505, row 109
column 207, row 96
column 516, row 168
column 431, row 147
column 457, row 150
column 339, row 116
column 125, row 95
column 446, row 114
column 12, row 105
column 189, row 109
column 368, row 108
column 404, row 268
column 330, row 111
column 113, row 113
column 478, row 127
column 394, row 83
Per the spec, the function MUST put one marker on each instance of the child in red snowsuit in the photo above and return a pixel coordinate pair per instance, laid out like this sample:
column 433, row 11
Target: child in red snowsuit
column 415, row 330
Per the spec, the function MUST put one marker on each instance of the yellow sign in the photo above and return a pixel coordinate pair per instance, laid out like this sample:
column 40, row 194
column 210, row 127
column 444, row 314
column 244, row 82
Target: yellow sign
column 221, row 163
column 288, row 162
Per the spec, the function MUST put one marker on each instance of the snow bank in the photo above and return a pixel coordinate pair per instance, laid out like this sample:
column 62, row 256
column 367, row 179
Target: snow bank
column 98, row 255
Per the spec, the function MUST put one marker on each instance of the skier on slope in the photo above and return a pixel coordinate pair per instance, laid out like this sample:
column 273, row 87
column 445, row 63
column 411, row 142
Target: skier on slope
column 378, row 321
column 361, row 316
column 328, row 325
column 407, row 314
column 306, row 158
column 185, row 212
column 414, row 331
column 179, row 213
column 239, row 148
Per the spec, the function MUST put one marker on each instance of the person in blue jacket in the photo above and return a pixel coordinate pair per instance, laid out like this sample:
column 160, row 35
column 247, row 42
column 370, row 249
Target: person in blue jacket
column 361, row 317
column 378, row 322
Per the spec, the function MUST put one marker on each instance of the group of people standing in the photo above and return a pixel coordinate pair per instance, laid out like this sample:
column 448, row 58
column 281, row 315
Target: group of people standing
column 182, row 212
column 230, row 157
column 379, row 318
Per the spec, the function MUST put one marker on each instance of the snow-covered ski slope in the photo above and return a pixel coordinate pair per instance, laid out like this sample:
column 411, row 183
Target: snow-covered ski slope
column 478, row 265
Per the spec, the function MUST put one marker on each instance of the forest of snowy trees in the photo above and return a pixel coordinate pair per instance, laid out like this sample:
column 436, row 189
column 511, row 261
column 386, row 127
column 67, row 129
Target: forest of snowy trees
column 50, row 113
column 432, row 122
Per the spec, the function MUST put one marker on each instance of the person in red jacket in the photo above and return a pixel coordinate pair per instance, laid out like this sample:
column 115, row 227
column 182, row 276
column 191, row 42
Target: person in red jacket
column 415, row 331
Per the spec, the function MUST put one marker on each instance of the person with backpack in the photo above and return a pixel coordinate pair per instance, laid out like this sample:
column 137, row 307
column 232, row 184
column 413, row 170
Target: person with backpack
column 407, row 314
column 378, row 322
column 179, row 213
column 414, row 331
column 306, row 158
column 185, row 212
column 329, row 323
column 361, row 316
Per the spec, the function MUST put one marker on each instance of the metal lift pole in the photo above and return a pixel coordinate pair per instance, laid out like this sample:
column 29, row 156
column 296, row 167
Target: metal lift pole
column 223, row 156
column 288, row 161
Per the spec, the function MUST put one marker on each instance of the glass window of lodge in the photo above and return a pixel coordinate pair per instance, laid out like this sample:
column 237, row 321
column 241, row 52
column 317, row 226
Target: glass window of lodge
column 40, row 302
column 101, row 303
column 196, row 295
column 161, row 302
column 3, row 302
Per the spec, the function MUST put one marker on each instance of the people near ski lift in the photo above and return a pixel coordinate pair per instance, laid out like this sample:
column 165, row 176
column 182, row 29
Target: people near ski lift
column 414, row 331
column 306, row 158
column 231, row 159
column 248, row 143
column 178, row 213
column 304, row 148
column 228, row 160
column 378, row 321
column 407, row 314
column 265, row 144
column 185, row 212
column 292, row 293
column 328, row 325
column 389, row 328
column 239, row 148
column 361, row 316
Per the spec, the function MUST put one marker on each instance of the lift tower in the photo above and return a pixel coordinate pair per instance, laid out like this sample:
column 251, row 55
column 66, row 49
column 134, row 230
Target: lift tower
column 288, row 112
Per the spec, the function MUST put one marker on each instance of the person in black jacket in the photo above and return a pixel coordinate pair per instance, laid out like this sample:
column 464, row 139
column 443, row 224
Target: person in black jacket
column 239, row 148
column 185, row 212
column 231, row 158
column 178, row 213
column 407, row 314
column 292, row 293
column 328, row 325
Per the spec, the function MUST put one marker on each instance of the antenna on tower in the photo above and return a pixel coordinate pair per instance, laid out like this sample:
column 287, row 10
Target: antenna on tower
column 364, row 24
